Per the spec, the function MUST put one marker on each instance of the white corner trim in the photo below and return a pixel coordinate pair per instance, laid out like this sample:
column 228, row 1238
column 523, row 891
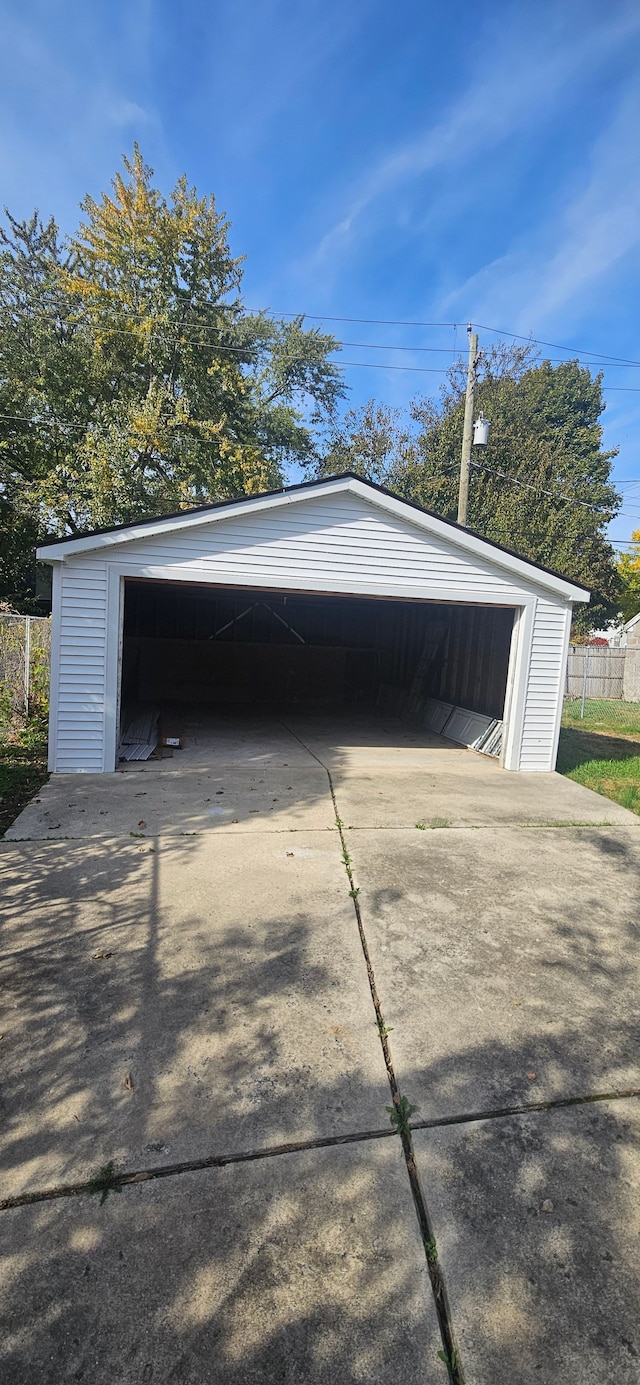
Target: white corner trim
column 563, row 679
column 54, row 677
column 115, row 590
column 517, row 682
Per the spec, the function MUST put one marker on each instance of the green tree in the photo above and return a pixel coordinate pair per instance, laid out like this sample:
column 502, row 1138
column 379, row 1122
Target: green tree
column 45, row 371
column 371, row 441
column 542, row 485
column 629, row 574
column 132, row 380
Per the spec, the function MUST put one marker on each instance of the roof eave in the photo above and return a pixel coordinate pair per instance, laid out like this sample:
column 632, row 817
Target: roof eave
column 60, row 549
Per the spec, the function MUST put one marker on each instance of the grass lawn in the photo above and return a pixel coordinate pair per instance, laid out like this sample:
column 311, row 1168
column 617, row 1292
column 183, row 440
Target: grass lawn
column 615, row 718
column 23, row 769
column 603, row 750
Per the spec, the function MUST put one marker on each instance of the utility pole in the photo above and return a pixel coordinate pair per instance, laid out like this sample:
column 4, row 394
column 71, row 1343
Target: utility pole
column 463, row 493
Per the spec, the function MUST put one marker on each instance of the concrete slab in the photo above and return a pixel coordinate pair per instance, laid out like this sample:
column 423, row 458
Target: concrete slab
column 178, row 802
column 173, row 999
column 477, row 793
column 364, row 741
column 214, row 739
column 308, row 1268
column 538, row 1232
column 239, row 776
column 507, row 961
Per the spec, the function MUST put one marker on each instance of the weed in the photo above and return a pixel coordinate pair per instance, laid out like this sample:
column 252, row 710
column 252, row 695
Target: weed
column 141, row 834
column 400, row 1113
column 355, row 892
column 431, row 1250
column 383, row 1030
column 440, row 822
column 449, row 1360
column 105, row 1182
column 23, row 769
column 421, row 826
column 339, row 822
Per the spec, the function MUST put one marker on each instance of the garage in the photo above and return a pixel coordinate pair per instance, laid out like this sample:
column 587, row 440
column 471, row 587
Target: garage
column 332, row 595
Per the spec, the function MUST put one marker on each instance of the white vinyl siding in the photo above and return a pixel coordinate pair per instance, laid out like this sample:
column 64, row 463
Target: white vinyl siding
column 341, row 543
column 79, row 733
column 545, row 685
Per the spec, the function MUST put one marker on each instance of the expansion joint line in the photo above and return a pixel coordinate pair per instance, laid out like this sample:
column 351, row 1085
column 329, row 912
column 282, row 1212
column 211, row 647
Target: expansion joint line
column 420, row 1203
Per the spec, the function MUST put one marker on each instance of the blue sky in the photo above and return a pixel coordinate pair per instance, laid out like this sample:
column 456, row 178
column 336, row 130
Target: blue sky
column 425, row 161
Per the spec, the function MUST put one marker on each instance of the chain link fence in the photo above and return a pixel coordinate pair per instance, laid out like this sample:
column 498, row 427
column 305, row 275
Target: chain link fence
column 25, row 653
column 602, row 691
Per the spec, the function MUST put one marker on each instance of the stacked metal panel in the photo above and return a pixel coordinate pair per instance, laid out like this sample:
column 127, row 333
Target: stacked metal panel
column 140, row 735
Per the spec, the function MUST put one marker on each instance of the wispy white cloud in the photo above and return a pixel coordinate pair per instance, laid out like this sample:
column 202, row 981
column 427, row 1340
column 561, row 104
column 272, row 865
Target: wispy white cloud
column 69, row 109
column 526, row 73
column 122, row 113
column 559, row 263
column 300, row 41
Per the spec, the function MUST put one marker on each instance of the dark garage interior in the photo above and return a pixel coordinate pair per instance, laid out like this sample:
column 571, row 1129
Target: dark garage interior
column 214, row 646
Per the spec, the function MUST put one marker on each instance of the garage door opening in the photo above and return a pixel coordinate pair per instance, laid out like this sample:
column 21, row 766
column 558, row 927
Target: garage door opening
column 200, row 650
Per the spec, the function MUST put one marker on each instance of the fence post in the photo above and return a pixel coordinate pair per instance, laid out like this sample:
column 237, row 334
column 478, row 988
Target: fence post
column 27, row 663
column 585, row 671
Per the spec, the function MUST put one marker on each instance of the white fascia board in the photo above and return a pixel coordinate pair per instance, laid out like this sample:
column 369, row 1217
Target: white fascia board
column 173, row 523
column 430, row 524
column 480, row 548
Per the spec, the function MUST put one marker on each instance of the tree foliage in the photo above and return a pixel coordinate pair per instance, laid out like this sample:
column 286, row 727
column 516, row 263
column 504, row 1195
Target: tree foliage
column 541, row 487
column 132, row 380
column 629, row 575
column 372, row 441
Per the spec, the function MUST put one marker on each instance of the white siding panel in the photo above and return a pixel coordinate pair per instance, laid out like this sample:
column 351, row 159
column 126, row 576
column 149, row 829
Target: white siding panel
column 81, row 695
column 347, row 544
column 544, row 686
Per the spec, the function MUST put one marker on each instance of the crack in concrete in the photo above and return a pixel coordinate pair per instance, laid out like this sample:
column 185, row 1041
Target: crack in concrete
column 450, row 1351
column 405, row 1128
column 524, row 1108
column 219, row 1161
column 501, row 826
column 208, row 1161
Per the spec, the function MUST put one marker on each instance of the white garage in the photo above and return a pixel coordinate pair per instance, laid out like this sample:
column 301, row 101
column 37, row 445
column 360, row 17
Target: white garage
column 331, row 593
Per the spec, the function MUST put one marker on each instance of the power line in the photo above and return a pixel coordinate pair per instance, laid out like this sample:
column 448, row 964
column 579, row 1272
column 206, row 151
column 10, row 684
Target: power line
column 497, row 331
column 514, row 481
column 25, row 418
column 597, row 358
column 372, row 321
column 576, row 351
column 555, row 495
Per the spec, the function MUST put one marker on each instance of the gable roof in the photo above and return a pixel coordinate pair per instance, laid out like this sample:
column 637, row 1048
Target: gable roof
column 58, row 549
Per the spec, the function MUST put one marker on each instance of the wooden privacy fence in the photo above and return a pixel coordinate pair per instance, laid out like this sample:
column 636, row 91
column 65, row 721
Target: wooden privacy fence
column 25, row 652
column 595, row 673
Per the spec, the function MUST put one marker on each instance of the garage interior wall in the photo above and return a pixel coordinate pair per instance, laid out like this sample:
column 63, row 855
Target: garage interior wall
column 208, row 645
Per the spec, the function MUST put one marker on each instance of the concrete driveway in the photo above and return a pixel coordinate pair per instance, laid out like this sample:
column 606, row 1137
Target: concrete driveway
column 206, row 1013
